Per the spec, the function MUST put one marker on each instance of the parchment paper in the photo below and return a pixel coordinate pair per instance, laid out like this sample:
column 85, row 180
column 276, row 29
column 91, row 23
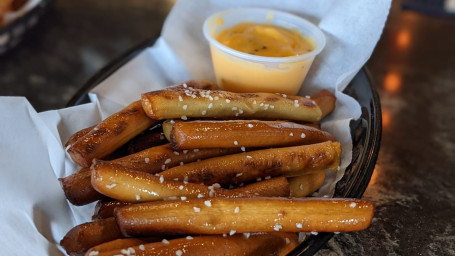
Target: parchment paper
column 34, row 214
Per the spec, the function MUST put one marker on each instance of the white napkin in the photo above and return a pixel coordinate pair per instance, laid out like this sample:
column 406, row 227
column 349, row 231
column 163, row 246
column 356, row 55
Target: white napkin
column 34, row 214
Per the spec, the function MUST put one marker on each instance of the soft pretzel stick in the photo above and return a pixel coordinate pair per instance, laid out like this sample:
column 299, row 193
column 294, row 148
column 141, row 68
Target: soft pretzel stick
column 105, row 209
column 121, row 246
column 120, row 183
column 237, row 244
column 84, row 236
column 241, row 215
column 77, row 135
column 269, row 188
column 183, row 103
column 242, row 167
column 325, row 100
column 110, row 134
column 301, row 186
column 117, row 129
column 243, row 133
column 79, row 191
column 78, row 187
column 146, row 140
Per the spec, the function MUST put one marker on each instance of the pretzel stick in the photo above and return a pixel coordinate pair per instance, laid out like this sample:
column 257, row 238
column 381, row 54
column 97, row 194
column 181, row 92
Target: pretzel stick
column 301, row 186
column 254, row 244
column 121, row 246
column 105, row 209
column 184, row 103
column 240, row 215
column 274, row 187
column 84, row 236
column 238, row 168
column 243, row 133
column 78, row 135
column 118, row 128
column 110, row 134
column 79, row 191
column 325, row 100
column 120, row 183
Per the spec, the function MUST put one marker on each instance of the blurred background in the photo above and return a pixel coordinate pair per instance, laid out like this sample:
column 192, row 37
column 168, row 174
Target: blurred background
column 413, row 67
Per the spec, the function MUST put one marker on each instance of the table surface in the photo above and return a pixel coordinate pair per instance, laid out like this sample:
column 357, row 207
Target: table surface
column 413, row 185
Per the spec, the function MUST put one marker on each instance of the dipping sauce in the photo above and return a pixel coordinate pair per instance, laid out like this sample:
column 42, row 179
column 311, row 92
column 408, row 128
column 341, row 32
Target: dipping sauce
column 270, row 52
column 265, row 40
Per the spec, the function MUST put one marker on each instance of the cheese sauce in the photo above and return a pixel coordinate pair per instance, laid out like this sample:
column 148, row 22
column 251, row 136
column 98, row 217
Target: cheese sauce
column 265, row 40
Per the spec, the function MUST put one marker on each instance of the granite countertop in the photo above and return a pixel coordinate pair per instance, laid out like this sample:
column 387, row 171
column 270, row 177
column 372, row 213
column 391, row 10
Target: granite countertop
column 413, row 185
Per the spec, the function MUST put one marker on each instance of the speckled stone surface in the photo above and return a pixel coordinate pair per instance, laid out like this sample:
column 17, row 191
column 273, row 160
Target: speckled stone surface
column 413, row 66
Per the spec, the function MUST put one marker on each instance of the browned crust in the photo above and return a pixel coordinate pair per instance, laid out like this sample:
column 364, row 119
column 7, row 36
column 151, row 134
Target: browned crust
column 238, row 168
column 243, row 133
column 126, row 185
column 183, row 103
column 241, row 215
column 237, row 244
column 326, row 101
column 110, row 134
column 84, row 236
column 304, row 185
column 78, row 188
column 105, row 209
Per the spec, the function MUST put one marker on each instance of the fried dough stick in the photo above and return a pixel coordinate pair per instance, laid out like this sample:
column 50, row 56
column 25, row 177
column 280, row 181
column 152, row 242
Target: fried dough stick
column 120, row 183
column 238, row 244
column 84, row 236
column 184, row 103
column 243, row 133
column 238, row 168
column 79, row 191
column 241, row 215
column 117, row 129
column 274, row 187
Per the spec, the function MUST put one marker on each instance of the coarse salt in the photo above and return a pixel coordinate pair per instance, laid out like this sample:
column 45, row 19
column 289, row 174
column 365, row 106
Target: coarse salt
column 302, row 135
column 277, row 227
column 250, row 125
column 353, row 205
column 298, row 225
column 237, row 209
column 236, row 142
column 208, row 203
column 147, row 160
column 168, row 160
column 111, row 186
column 196, row 209
column 232, row 232
column 138, row 197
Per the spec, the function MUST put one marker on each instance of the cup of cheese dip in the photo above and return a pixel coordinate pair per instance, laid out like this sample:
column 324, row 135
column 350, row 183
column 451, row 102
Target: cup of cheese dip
column 261, row 50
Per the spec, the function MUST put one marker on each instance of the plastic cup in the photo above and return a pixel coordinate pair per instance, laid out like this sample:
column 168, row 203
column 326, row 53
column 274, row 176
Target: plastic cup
column 242, row 72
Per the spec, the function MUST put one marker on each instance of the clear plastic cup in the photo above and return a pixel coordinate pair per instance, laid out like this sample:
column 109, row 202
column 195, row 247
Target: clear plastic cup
column 241, row 72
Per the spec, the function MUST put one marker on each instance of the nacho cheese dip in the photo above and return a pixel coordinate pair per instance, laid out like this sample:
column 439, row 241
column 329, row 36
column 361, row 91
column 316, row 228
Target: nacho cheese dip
column 265, row 40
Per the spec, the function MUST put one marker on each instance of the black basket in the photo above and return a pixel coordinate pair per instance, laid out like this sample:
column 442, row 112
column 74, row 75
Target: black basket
column 365, row 131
